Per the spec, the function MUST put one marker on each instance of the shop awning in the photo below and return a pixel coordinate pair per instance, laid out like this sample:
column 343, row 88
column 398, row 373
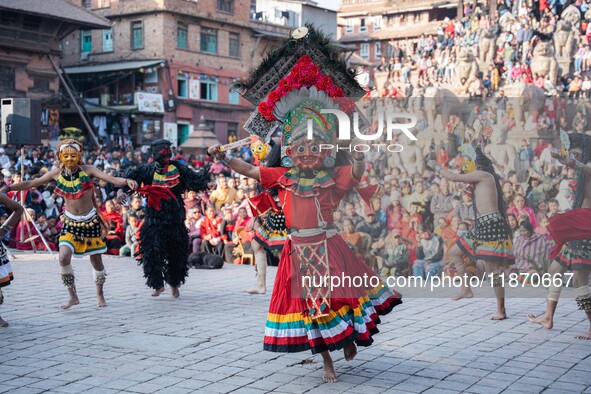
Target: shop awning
column 101, row 68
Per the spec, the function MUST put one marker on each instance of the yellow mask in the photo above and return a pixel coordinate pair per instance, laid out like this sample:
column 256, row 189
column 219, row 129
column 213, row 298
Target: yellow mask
column 70, row 157
column 260, row 149
column 468, row 166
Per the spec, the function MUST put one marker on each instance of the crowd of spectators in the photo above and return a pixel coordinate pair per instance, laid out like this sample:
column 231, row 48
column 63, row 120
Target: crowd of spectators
column 433, row 61
column 420, row 215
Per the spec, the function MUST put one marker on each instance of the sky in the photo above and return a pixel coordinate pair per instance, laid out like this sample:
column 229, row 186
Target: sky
column 330, row 4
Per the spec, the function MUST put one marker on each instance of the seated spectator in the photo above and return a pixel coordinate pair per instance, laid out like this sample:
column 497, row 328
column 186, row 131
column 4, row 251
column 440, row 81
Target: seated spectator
column 193, row 223
column 135, row 208
column 429, row 254
column 30, row 236
column 530, row 249
column 223, row 194
column 521, row 212
column 227, row 229
column 352, row 215
column 350, row 235
column 395, row 260
column 210, row 232
column 115, row 229
column 130, row 236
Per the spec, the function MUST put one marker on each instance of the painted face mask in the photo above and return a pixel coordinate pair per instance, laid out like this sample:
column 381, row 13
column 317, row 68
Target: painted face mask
column 469, row 158
column 70, row 156
column 305, row 153
column 260, row 150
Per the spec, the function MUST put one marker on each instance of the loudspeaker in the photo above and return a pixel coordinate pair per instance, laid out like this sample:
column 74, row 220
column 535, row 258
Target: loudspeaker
column 21, row 122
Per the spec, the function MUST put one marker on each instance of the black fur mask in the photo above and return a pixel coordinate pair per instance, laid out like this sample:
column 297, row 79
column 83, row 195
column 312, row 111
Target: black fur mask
column 161, row 152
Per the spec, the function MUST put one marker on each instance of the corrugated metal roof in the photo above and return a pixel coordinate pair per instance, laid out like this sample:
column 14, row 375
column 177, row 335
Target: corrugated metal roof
column 100, row 68
column 57, row 9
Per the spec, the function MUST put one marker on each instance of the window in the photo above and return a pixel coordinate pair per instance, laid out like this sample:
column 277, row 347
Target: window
column 108, row 40
column 364, row 51
column 209, row 89
column 226, row 6
column 182, row 86
column 350, row 24
column 105, row 4
column 86, row 39
column 181, row 36
column 233, row 96
column 137, row 35
column 232, row 129
column 378, row 51
column 209, row 40
column 7, row 79
column 87, row 4
column 234, row 50
column 362, row 25
column 41, row 84
column 377, row 22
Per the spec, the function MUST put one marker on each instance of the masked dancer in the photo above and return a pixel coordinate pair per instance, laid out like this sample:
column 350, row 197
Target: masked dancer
column 269, row 221
column 490, row 239
column 572, row 233
column 306, row 313
column 6, row 275
column 83, row 230
column 163, row 244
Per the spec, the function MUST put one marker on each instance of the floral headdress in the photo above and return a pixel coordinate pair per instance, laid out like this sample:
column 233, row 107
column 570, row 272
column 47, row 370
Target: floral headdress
column 306, row 71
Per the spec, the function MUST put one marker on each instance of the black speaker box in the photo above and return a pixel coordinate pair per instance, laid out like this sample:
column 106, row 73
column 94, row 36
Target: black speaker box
column 21, row 121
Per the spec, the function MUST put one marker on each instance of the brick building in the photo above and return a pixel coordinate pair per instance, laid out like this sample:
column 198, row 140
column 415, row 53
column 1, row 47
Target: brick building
column 30, row 34
column 375, row 26
column 164, row 64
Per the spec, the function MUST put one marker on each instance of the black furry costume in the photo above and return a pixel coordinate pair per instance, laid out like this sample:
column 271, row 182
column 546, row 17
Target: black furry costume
column 164, row 239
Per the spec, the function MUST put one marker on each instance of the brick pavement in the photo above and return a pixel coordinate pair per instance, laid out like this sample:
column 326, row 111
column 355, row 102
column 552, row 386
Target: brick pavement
column 210, row 341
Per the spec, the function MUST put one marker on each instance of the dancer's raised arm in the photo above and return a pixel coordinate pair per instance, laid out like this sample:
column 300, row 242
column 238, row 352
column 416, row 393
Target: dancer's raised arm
column 95, row 172
column 48, row 177
column 235, row 164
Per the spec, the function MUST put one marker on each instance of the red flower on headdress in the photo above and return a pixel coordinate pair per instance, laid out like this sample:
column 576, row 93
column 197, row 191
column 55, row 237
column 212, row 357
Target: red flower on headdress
column 275, row 96
column 323, row 83
column 309, row 73
column 266, row 109
column 285, row 85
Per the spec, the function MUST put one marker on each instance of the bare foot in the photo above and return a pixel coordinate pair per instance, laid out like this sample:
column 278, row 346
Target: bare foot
column 463, row 294
column 256, row 291
column 3, row 323
column 542, row 319
column 175, row 292
column 329, row 374
column 157, row 292
column 584, row 337
column 350, row 351
column 499, row 315
column 100, row 301
column 71, row 302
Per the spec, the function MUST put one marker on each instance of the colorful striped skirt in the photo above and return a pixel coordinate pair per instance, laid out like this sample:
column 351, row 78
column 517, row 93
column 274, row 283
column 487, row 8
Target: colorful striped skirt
column 575, row 255
column 83, row 234
column 318, row 318
column 6, row 275
column 489, row 240
column 272, row 233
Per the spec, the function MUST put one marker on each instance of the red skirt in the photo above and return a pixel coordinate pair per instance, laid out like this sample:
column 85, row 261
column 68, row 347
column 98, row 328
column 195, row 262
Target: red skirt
column 348, row 314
